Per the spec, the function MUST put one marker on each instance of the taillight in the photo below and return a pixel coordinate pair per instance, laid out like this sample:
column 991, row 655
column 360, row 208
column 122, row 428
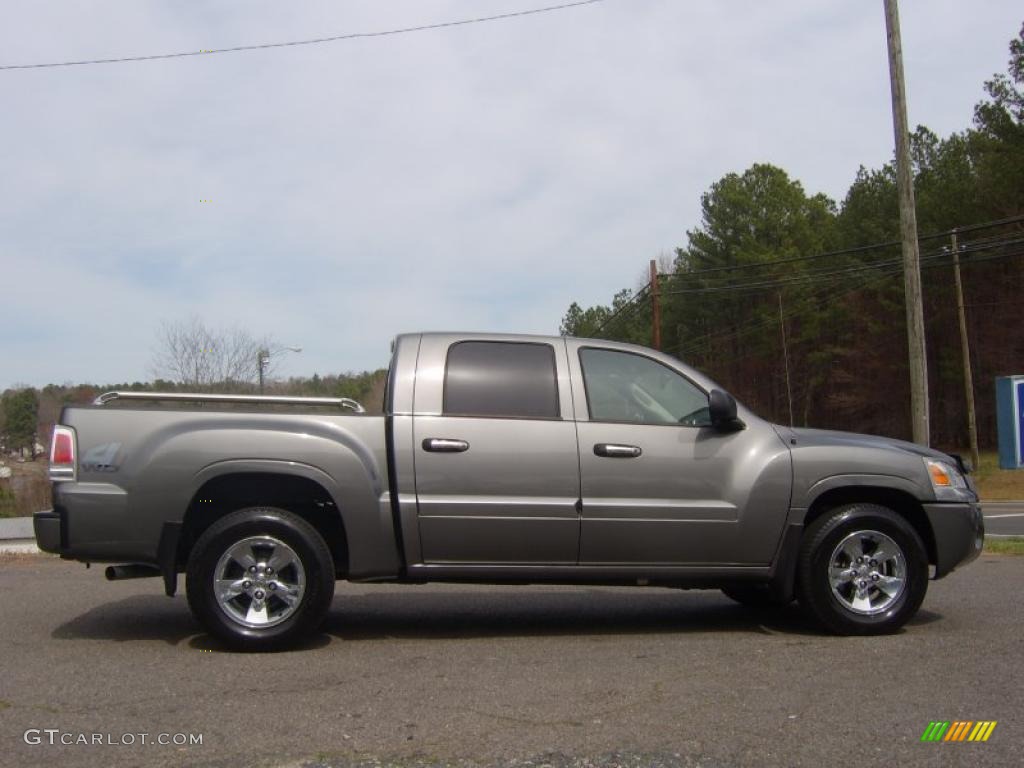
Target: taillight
column 62, row 454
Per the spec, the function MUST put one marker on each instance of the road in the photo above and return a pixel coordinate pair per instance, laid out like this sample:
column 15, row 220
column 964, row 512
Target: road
column 1004, row 518
column 479, row 675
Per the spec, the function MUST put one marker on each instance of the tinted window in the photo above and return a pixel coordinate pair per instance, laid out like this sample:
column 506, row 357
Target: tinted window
column 490, row 378
column 627, row 387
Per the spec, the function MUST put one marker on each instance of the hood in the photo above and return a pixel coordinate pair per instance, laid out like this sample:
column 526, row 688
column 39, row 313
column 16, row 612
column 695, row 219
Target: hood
column 824, row 437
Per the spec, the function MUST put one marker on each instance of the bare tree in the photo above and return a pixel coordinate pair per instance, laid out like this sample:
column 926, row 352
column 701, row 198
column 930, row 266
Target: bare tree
column 195, row 354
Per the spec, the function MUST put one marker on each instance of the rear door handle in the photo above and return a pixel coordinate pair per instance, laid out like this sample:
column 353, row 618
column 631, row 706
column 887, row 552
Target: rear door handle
column 444, row 445
column 614, row 451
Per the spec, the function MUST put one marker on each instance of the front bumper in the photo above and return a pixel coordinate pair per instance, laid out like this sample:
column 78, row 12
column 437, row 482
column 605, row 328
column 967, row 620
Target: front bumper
column 959, row 531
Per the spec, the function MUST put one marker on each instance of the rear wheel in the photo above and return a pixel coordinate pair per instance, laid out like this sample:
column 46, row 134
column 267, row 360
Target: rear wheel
column 862, row 570
column 260, row 579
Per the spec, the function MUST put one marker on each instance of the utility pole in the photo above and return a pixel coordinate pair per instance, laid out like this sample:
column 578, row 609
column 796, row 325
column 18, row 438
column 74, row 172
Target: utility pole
column 908, row 231
column 972, row 425
column 656, row 304
column 262, row 358
column 785, row 356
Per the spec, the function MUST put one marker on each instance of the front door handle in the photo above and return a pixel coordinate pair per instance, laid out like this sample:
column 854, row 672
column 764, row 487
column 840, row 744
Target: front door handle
column 444, row 445
column 614, row 451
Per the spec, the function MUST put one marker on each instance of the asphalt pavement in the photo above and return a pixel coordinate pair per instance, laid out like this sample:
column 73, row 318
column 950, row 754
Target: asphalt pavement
column 1003, row 518
column 512, row 676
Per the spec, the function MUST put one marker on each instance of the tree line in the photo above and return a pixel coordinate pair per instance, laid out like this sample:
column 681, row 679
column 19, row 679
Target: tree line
column 773, row 276
column 190, row 356
column 27, row 414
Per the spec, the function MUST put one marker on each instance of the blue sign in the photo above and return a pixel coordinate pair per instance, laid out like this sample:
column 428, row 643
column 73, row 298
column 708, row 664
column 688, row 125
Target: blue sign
column 1010, row 421
column 1020, row 424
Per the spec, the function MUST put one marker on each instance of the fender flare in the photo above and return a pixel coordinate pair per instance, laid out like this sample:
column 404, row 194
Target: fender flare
column 834, row 482
column 784, row 569
column 365, row 517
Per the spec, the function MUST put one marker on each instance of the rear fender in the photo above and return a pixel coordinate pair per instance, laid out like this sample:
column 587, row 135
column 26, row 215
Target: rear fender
column 366, row 516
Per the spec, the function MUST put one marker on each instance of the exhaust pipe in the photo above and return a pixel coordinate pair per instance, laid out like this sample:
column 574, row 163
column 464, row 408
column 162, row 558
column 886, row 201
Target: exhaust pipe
column 132, row 571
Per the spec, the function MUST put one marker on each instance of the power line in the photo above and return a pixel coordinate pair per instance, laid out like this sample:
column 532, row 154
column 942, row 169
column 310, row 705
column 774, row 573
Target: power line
column 810, row 277
column 829, row 292
column 829, row 273
column 851, row 251
column 789, row 260
column 983, row 259
column 812, row 302
column 806, row 303
column 632, row 302
column 829, row 277
column 976, row 227
column 312, row 41
column 820, row 298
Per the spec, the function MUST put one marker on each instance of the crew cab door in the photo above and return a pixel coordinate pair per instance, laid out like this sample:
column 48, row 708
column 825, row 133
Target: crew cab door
column 497, row 473
column 659, row 485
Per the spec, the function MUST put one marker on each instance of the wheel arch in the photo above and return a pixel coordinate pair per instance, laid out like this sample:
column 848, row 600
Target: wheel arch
column 297, row 488
column 897, row 499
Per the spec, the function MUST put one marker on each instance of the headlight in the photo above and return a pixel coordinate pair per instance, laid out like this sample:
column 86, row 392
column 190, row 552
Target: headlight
column 946, row 479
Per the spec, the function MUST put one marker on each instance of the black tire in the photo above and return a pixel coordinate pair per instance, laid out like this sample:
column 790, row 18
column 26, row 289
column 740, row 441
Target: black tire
column 872, row 596
column 275, row 608
column 752, row 595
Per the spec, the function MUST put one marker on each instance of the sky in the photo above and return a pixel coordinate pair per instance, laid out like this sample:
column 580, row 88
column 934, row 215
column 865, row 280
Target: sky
column 477, row 178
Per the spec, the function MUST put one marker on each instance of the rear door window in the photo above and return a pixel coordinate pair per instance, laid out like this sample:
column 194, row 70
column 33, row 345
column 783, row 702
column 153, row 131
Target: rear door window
column 501, row 380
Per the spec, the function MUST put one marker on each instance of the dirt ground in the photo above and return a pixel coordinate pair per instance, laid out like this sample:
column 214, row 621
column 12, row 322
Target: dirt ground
column 995, row 484
column 27, row 490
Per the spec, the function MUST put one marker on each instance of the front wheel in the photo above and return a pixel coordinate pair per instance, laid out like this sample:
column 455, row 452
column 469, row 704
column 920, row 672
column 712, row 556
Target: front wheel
column 260, row 579
column 862, row 570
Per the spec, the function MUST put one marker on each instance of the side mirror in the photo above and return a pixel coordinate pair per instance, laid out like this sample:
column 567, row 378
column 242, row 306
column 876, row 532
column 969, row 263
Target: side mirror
column 722, row 409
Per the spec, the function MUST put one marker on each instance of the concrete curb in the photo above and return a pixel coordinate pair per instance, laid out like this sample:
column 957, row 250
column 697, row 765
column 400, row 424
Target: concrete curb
column 16, row 528
column 17, row 535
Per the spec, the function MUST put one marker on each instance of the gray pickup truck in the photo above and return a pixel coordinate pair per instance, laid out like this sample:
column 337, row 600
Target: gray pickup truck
column 502, row 458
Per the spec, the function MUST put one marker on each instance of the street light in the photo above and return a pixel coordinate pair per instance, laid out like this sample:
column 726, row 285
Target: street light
column 263, row 359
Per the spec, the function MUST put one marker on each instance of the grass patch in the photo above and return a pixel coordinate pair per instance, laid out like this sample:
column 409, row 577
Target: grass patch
column 1013, row 546
column 995, row 484
column 8, row 504
column 27, row 490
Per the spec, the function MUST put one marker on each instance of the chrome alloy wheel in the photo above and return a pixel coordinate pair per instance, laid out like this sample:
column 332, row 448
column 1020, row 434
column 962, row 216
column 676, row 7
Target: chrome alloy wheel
column 867, row 572
column 259, row 582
